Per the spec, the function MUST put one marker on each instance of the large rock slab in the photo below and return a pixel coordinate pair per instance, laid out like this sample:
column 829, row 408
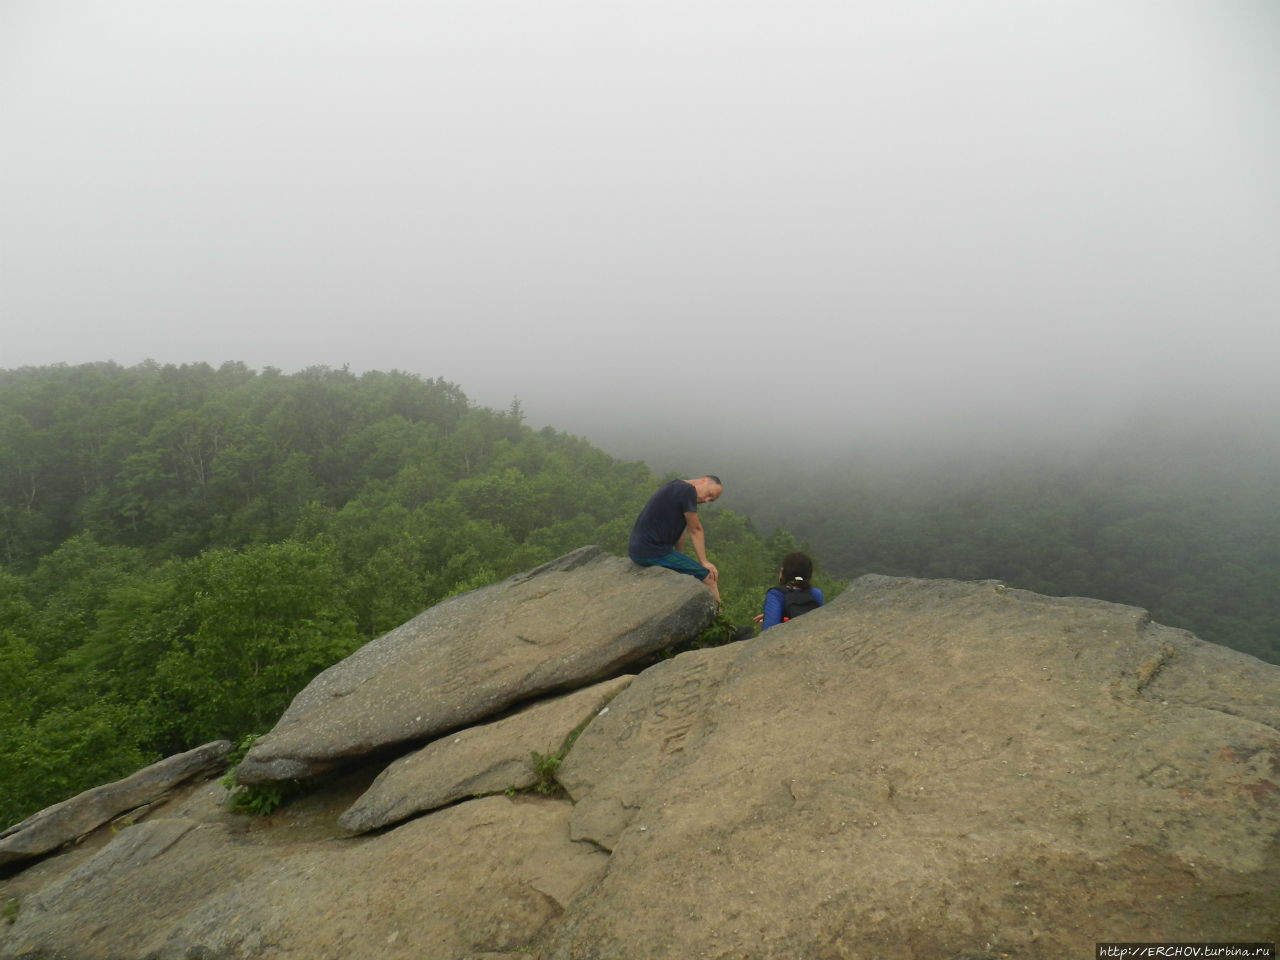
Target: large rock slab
column 920, row 769
column 571, row 622
column 490, row 758
column 73, row 818
column 482, row 877
column 933, row 769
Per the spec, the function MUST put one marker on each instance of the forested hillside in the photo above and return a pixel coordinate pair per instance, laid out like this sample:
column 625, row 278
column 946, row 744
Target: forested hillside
column 183, row 548
column 1178, row 517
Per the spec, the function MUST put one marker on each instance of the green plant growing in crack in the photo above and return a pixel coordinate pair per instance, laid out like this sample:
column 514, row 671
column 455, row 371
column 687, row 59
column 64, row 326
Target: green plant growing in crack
column 9, row 912
column 259, row 799
column 546, row 766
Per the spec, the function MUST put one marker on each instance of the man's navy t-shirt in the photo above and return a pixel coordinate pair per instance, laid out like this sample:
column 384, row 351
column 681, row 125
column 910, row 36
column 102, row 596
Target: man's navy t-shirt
column 661, row 522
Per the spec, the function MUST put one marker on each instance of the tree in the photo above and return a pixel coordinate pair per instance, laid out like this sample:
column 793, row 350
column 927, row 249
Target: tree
column 254, row 626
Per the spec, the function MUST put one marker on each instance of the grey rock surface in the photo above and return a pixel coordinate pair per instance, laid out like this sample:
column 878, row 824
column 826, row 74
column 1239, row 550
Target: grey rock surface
column 490, row 758
column 571, row 622
column 73, row 818
column 929, row 768
column 483, row 877
column 920, row 769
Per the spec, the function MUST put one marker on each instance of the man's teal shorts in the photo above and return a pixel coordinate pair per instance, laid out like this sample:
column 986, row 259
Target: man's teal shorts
column 677, row 561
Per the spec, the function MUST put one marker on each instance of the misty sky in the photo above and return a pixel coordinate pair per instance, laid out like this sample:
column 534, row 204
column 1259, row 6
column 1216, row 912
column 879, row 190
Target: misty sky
column 654, row 215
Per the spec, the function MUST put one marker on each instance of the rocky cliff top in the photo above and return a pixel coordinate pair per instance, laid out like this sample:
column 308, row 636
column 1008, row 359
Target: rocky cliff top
column 919, row 769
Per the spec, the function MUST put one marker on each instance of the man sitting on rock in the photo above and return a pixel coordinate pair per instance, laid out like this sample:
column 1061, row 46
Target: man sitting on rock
column 658, row 534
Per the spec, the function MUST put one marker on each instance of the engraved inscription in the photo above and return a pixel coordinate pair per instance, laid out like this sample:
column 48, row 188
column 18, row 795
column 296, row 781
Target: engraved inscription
column 869, row 652
column 673, row 710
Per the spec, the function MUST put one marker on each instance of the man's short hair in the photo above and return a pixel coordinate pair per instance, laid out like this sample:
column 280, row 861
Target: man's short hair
column 714, row 479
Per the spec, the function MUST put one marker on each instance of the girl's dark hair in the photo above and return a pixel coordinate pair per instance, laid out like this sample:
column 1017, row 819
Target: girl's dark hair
column 797, row 568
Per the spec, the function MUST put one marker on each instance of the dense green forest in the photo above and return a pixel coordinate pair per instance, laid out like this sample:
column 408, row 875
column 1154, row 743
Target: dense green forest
column 183, row 548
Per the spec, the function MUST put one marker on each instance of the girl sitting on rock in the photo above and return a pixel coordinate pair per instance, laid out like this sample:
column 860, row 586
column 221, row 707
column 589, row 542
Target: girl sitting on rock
column 793, row 595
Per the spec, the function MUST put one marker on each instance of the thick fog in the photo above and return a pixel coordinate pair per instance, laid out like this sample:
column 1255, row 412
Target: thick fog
column 690, row 221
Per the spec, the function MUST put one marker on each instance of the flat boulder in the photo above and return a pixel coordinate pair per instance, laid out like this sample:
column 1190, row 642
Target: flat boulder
column 566, row 624
column 73, row 818
column 919, row 769
column 482, row 877
column 933, row 769
column 490, row 758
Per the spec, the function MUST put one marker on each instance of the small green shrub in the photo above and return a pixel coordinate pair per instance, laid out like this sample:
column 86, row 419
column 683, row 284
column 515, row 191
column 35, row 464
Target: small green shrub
column 717, row 634
column 546, row 765
column 259, row 799
column 720, row 632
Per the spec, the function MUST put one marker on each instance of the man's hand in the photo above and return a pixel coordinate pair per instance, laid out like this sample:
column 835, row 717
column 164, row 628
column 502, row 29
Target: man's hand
column 714, row 574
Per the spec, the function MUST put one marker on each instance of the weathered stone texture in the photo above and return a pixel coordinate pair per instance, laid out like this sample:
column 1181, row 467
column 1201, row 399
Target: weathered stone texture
column 66, row 821
column 921, row 769
column 929, row 769
column 490, row 758
column 482, row 877
column 571, row 622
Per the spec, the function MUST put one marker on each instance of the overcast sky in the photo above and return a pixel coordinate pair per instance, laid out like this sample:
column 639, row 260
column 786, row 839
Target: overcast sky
column 681, row 216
